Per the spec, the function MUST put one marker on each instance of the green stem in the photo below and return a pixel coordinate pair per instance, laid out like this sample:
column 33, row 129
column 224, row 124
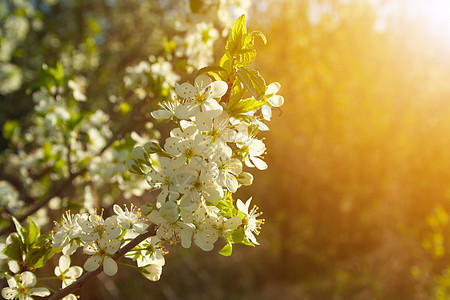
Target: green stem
column 128, row 265
column 48, row 278
column 49, row 288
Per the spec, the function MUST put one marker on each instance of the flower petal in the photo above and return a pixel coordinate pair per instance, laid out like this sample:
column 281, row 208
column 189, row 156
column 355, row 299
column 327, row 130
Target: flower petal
column 202, row 81
column 40, row 292
column 186, row 235
column 161, row 114
column 112, row 247
column 231, row 183
column 70, row 248
column 259, row 163
column 266, row 112
column 273, row 88
column 109, row 266
column 118, row 210
column 92, row 263
column 13, row 266
column 9, row 293
column 185, row 90
column 212, row 108
column 242, row 207
column 64, row 263
column 152, row 272
column 233, row 222
column 218, row 89
column 186, row 110
column 276, row 100
column 28, row 279
column 74, row 272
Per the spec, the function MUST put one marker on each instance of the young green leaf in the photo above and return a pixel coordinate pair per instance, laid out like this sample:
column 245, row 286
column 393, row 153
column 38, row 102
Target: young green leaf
column 239, row 237
column 11, row 129
column 236, row 94
column 33, row 231
column 15, row 249
column 244, row 57
column 226, row 62
column 253, row 81
column 250, row 38
column 238, row 32
column 219, row 73
column 21, row 231
column 226, row 250
column 245, row 105
column 40, row 252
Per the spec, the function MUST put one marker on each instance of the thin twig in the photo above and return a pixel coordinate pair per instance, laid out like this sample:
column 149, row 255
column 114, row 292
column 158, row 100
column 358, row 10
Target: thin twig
column 69, row 158
column 87, row 276
column 42, row 203
column 18, row 185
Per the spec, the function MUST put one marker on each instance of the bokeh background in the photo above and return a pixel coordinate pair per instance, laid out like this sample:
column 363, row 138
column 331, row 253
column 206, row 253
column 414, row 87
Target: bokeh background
column 357, row 195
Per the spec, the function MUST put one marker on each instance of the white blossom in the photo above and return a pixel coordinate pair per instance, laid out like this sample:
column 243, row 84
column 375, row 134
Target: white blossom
column 22, row 286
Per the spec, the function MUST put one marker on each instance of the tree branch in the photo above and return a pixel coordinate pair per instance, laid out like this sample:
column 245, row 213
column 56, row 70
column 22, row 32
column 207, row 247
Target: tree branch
column 77, row 285
column 18, row 185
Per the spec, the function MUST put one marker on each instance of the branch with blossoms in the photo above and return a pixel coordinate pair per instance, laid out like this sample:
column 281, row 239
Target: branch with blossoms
column 201, row 166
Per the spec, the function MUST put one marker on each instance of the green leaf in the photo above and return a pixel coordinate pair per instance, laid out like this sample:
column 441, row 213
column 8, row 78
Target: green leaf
column 237, row 35
column 225, row 207
column 40, row 252
column 21, row 231
column 226, row 62
column 47, row 148
column 244, row 57
column 245, row 105
column 33, row 231
column 39, row 259
column 58, row 73
column 253, row 81
column 216, row 71
column 238, row 237
column 226, row 250
column 250, row 38
column 74, row 120
column 236, row 94
column 14, row 250
column 11, row 129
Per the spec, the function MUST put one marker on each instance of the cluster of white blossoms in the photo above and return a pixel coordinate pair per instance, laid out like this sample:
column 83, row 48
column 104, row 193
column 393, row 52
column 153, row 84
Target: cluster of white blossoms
column 203, row 165
column 101, row 238
column 22, row 286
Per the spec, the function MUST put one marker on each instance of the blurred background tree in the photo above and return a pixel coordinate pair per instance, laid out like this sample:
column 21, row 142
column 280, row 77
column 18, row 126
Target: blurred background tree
column 357, row 196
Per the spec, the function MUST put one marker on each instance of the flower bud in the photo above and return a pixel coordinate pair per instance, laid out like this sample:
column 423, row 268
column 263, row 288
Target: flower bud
column 152, row 147
column 245, row 178
column 133, row 167
column 140, row 155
